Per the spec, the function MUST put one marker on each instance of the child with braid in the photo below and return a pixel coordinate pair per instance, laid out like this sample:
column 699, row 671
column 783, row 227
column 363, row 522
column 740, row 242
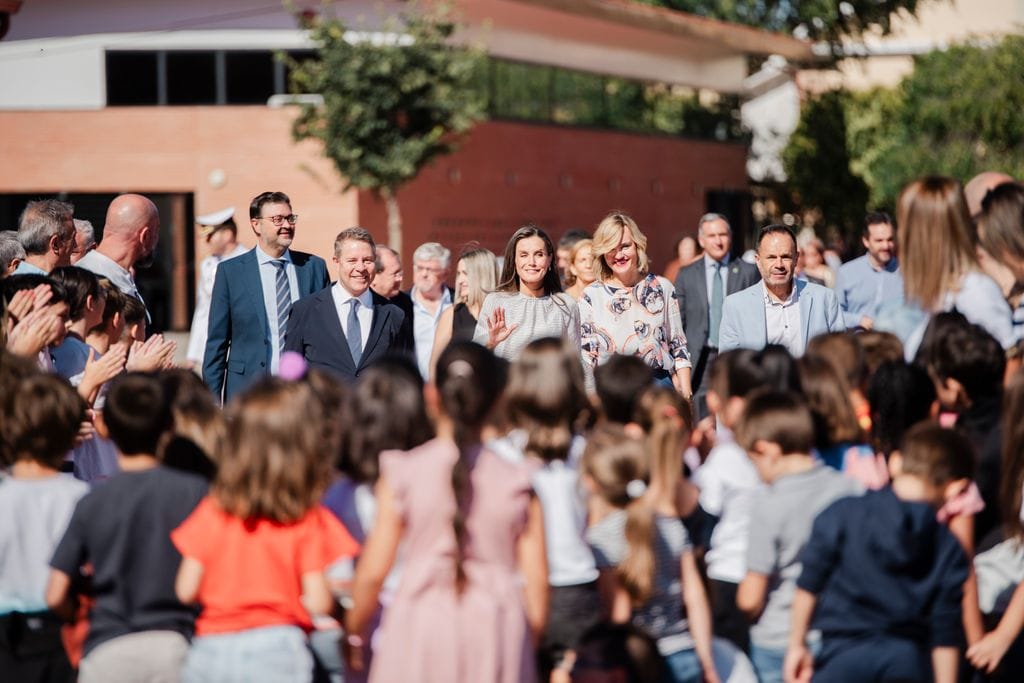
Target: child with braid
column 473, row 593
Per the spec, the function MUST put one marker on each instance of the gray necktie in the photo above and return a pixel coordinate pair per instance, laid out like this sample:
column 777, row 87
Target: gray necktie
column 284, row 299
column 355, row 332
column 717, row 297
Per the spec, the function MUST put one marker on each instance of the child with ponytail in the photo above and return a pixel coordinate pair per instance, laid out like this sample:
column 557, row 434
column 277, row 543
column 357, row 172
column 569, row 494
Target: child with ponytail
column 648, row 572
column 473, row 592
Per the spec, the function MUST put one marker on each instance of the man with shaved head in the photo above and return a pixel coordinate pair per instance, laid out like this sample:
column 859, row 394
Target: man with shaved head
column 978, row 186
column 130, row 235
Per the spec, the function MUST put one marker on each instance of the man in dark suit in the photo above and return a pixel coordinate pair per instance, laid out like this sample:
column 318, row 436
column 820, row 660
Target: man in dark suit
column 346, row 328
column 701, row 289
column 252, row 299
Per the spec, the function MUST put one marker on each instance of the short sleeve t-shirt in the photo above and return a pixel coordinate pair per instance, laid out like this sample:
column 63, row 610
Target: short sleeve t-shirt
column 36, row 513
column 252, row 570
column 663, row 615
column 123, row 528
column 781, row 520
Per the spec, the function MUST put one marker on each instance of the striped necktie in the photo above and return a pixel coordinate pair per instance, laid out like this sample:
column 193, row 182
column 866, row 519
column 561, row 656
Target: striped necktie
column 284, row 299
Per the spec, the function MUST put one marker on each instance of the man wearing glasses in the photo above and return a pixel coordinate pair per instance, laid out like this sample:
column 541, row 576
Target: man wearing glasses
column 252, row 298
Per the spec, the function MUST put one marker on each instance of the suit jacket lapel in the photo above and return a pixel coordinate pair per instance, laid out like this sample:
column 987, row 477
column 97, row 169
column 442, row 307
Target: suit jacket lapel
column 303, row 273
column 762, row 316
column 806, row 303
column 332, row 326
column 380, row 318
column 733, row 281
column 255, row 286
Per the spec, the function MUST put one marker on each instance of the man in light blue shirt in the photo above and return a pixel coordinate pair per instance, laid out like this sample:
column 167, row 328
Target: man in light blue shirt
column 46, row 230
column 430, row 296
column 866, row 282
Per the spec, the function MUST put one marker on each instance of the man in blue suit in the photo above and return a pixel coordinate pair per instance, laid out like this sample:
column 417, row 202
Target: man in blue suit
column 779, row 309
column 346, row 328
column 252, row 299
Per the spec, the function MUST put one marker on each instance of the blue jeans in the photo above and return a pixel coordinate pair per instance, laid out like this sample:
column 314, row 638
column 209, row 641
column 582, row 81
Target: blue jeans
column 274, row 654
column 685, row 667
column 767, row 662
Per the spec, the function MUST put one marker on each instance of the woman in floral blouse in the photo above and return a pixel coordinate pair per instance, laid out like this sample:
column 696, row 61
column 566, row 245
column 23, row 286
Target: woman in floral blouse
column 630, row 310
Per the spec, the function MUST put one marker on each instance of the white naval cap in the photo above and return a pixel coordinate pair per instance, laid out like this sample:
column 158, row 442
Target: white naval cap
column 217, row 217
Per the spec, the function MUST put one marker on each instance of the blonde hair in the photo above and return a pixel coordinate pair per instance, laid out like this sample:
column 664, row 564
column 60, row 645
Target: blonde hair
column 272, row 463
column 482, row 274
column 614, row 460
column 667, row 421
column 570, row 277
column 607, row 238
column 937, row 239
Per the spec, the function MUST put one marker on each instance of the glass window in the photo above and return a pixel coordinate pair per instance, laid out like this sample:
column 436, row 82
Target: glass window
column 191, row 78
column 250, row 77
column 131, row 78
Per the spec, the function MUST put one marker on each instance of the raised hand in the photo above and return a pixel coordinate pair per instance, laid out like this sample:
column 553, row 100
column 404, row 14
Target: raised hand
column 33, row 332
column 101, row 370
column 497, row 329
column 156, row 353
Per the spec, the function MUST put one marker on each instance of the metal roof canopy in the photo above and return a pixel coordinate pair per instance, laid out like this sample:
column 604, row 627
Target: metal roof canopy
column 625, row 38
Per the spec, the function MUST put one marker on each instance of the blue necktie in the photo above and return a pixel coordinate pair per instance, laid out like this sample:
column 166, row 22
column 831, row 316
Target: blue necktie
column 284, row 299
column 354, row 333
column 717, row 297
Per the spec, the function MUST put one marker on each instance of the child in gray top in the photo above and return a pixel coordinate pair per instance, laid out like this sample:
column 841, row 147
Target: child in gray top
column 647, row 571
column 778, row 433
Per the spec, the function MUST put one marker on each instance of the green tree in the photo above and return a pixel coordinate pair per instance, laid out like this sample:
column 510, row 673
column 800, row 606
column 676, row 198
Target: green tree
column 827, row 20
column 959, row 113
column 392, row 102
column 817, row 164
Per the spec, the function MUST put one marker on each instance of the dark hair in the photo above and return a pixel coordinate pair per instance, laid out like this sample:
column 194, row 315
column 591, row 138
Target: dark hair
column 775, row 229
column 954, row 348
column 736, row 373
column 1012, row 481
column 1001, row 226
column 329, row 395
column 80, row 284
column 384, row 411
column 134, row 311
column 15, row 283
column 828, row 397
column 41, row 417
column 782, row 418
column 137, row 413
column 844, row 351
column 571, row 237
column 256, row 205
column 469, row 380
column 545, row 397
column 610, row 647
column 778, row 368
column 510, row 276
column 876, row 218
column 618, row 382
column 879, row 347
column 900, row 395
column 197, row 423
column 114, row 306
column 937, row 454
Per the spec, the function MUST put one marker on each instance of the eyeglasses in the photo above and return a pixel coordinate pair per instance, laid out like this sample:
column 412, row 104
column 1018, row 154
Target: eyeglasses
column 280, row 220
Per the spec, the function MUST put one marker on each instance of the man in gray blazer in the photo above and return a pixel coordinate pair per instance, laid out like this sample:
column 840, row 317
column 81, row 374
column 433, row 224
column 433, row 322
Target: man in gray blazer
column 701, row 289
column 780, row 309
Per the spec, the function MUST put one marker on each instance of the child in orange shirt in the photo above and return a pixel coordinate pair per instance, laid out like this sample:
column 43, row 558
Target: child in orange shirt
column 256, row 549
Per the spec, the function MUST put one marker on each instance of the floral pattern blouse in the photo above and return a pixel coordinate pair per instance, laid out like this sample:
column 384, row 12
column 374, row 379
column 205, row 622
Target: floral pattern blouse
column 642, row 320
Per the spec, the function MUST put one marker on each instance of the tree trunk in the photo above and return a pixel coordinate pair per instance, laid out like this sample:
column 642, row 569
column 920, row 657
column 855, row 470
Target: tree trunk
column 394, row 220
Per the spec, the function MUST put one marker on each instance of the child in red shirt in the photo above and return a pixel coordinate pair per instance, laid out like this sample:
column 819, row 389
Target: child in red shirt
column 256, row 549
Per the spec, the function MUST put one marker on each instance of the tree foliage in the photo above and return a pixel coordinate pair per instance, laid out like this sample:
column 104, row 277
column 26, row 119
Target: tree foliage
column 827, row 20
column 392, row 102
column 817, row 164
column 960, row 112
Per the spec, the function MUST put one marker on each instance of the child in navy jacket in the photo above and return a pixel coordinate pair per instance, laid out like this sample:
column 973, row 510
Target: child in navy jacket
column 882, row 578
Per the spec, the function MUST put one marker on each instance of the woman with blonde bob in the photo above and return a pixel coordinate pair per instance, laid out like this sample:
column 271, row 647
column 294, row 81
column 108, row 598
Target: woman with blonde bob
column 580, row 273
column 631, row 311
column 475, row 276
column 938, row 258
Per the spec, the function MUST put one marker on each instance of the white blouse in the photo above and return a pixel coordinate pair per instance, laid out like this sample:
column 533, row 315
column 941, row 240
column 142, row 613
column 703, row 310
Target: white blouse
column 555, row 315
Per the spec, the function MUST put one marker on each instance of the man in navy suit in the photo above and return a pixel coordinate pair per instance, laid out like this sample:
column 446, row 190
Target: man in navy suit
column 346, row 328
column 779, row 309
column 252, row 299
column 701, row 289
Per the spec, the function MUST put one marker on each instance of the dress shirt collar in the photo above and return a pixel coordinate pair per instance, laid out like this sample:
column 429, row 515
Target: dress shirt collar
column 770, row 300
column 710, row 263
column 446, row 300
column 342, row 296
column 263, row 257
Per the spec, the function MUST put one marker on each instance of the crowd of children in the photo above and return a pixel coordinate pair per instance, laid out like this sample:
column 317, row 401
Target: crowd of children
column 846, row 516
